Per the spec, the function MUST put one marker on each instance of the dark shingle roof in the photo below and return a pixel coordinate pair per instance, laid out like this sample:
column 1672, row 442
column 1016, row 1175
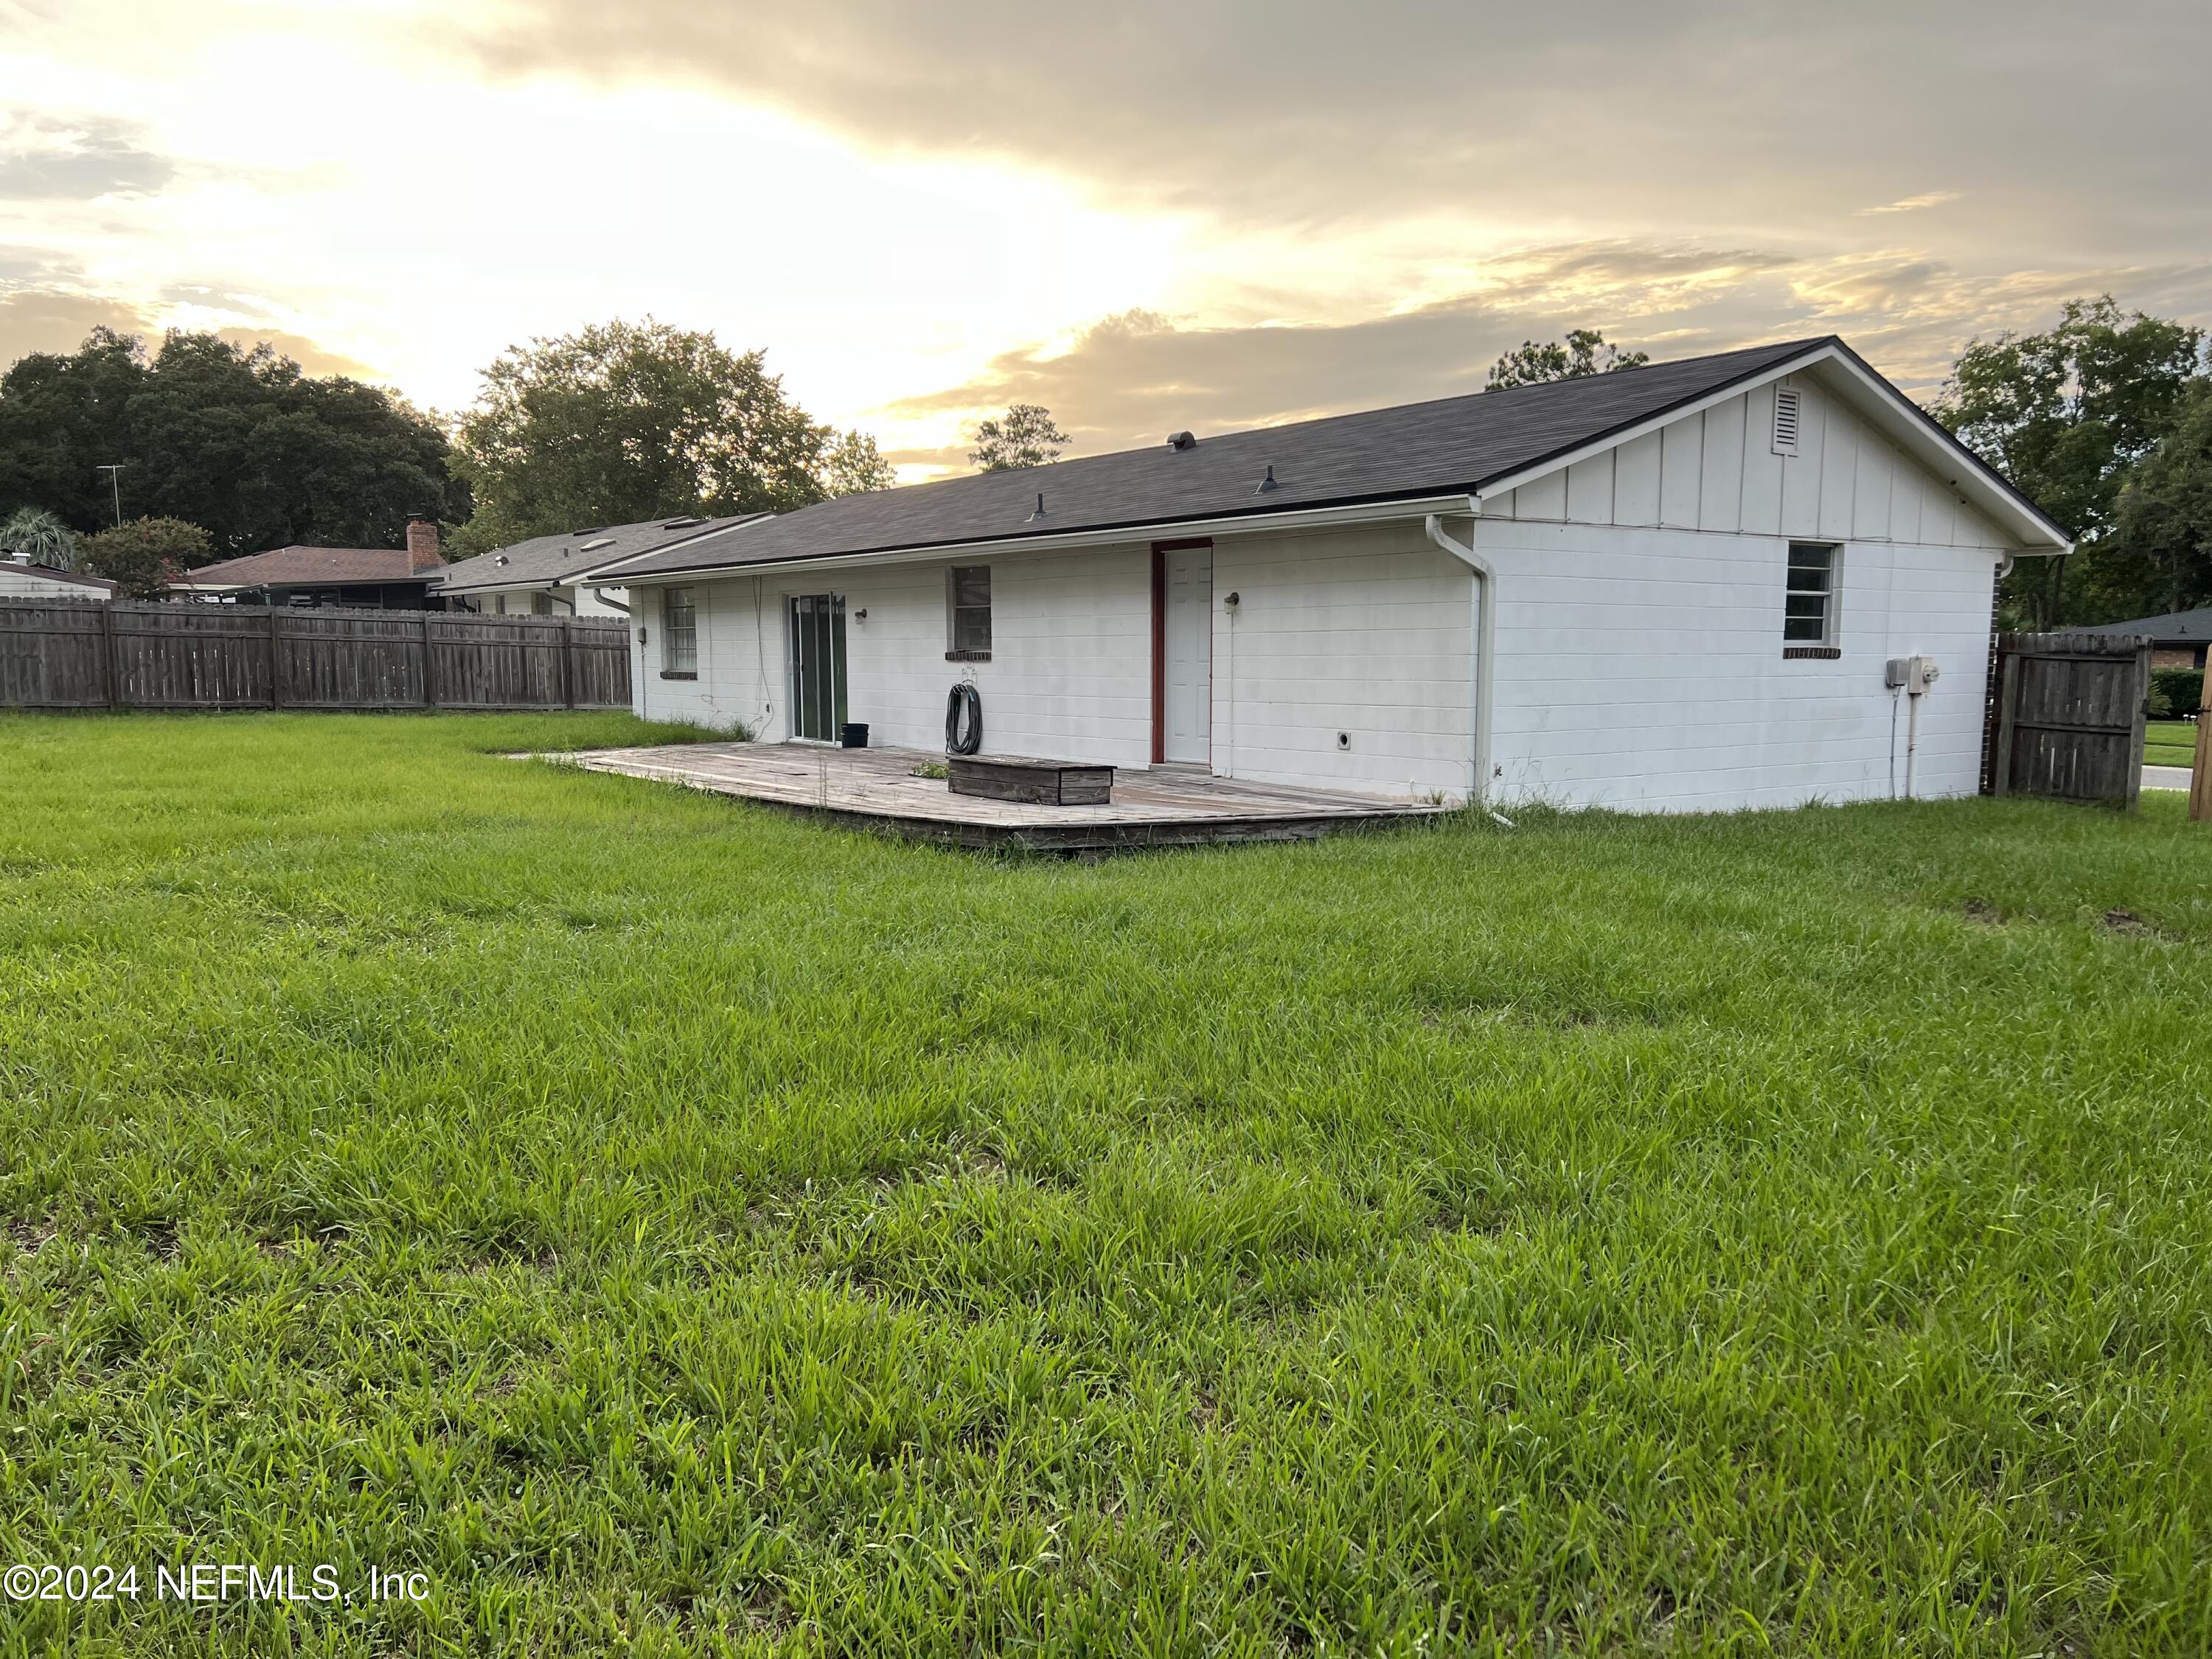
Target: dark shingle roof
column 294, row 567
column 545, row 561
column 1417, row 449
column 2181, row 627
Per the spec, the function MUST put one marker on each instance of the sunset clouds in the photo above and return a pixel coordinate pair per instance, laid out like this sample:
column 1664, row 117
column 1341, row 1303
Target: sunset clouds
column 1146, row 215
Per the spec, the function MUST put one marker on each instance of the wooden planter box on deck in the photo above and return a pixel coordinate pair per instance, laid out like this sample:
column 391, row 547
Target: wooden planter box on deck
column 1033, row 782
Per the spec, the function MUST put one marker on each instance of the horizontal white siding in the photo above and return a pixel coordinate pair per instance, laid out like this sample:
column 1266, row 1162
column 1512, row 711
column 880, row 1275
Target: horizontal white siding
column 1643, row 668
column 1717, row 470
column 20, row 584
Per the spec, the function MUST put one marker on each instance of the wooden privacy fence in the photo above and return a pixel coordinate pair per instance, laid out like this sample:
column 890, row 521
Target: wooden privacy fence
column 2067, row 719
column 72, row 653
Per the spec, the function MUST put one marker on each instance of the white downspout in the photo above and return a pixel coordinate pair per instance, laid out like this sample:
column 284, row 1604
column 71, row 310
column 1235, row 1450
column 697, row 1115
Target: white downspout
column 1481, row 639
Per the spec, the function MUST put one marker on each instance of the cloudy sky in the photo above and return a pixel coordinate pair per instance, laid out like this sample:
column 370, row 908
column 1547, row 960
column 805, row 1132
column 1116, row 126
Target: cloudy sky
column 1147, row 217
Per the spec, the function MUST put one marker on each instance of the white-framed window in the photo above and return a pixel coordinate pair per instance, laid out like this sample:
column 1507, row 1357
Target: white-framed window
column 679, row 632
column 968, row 613
column 1810, row 594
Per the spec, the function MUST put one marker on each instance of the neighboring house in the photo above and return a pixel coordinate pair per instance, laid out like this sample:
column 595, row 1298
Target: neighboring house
column 2178, row 641
column 21, row 580
column 537, row 578
column 386, row 578
column 1669, row 587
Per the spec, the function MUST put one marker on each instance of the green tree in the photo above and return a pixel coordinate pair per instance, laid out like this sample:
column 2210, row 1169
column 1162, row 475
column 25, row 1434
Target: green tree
column 852, row 465
column 1584, row 352
column 2161, row 556
column 626, row 422
column 141, row 556
column 241, row 442
column 40, row 537
column 1023, row 436
column 2065, row 415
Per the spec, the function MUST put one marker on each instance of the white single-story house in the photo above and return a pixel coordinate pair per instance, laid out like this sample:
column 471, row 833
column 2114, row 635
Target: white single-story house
column 21, row 579
column 1672, row 587
column 537, row 577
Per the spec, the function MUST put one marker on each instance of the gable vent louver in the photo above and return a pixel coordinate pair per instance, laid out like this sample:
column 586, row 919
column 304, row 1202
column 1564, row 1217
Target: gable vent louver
column 1786, row 412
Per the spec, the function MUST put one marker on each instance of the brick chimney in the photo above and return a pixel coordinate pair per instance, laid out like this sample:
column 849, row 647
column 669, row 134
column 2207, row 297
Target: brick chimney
column 422, row 552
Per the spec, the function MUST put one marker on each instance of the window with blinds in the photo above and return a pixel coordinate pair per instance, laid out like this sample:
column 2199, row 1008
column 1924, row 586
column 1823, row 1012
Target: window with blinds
column 1808, row 602
column 679, row 632
column 968, row 613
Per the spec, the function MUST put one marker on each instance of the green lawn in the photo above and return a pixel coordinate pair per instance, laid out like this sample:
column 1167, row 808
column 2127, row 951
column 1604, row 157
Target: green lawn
column 2169, row 743
column 671, row 1227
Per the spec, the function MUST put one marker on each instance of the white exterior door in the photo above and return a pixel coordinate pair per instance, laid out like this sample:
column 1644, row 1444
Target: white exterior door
column 1189, row 650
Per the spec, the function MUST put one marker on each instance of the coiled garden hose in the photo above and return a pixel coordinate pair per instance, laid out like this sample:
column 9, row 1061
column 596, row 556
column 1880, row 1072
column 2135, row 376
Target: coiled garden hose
column 963, row 720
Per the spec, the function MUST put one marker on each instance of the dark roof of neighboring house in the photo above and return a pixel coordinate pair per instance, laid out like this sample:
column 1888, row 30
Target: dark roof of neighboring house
column 47, row 573
column 306, row 567
column 2181, row 627
column 1448, row 447
column 547, row 561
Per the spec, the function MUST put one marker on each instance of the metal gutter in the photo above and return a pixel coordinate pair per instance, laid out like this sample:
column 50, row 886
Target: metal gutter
column 1322, row 518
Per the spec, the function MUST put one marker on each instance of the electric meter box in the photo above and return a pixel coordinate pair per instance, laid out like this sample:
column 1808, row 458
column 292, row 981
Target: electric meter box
column 1912, row 675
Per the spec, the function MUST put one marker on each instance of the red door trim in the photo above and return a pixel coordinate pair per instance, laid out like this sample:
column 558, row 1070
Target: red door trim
column 1160, row 549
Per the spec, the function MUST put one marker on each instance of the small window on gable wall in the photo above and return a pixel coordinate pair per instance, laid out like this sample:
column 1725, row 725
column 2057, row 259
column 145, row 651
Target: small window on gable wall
column 1809, row 603
column 968, row 613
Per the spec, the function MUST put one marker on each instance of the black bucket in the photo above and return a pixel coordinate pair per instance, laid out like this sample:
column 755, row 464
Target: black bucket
column 854, row 735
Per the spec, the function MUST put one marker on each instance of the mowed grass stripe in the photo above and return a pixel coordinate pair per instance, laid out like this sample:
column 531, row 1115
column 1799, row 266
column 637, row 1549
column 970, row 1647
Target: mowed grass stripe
column 2169, row 743
column 676, row 1227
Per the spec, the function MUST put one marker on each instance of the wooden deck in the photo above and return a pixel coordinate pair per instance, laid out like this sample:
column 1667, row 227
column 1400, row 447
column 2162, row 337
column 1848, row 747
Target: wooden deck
column 1166, row 806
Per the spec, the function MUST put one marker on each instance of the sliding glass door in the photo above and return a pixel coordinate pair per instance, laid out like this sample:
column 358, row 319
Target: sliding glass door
column 818, row 666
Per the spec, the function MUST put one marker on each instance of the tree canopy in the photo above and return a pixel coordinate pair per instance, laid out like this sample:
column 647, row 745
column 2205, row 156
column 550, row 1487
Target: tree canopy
column 2067, row 414
column 1585, row 351
column 2162, row 550
column 239, row 441
column 143, row 554
column 1023, row 436
column 620, row 423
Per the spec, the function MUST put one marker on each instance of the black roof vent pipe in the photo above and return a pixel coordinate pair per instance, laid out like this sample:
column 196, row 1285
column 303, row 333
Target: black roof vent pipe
column 1268, row 483
column 1039, row 513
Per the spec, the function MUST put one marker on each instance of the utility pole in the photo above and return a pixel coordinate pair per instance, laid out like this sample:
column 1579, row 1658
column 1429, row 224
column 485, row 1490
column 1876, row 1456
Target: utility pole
column 115, row 471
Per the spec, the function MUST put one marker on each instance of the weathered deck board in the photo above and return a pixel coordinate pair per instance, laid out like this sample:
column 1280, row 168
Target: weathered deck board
column 1161, row 807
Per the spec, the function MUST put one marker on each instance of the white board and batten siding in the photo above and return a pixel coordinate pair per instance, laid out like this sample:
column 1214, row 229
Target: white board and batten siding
column 1716, row 470
column 1639, row 623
